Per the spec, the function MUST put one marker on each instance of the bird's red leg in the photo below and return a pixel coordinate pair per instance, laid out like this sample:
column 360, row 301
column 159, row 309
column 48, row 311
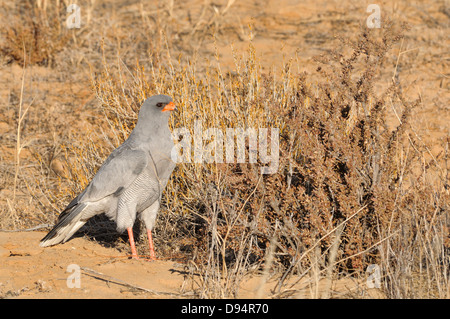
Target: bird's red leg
column 133, row 247
column 150, row 244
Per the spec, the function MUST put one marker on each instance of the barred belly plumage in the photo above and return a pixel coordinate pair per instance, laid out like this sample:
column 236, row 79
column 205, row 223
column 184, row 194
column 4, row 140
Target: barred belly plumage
column 143, row 192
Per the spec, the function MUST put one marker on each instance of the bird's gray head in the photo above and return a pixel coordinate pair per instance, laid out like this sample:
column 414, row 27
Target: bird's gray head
column 157, row 105
column 156, row 110
column 154, row 116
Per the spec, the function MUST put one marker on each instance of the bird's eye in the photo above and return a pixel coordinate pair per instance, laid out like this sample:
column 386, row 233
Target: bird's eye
column 160, row 104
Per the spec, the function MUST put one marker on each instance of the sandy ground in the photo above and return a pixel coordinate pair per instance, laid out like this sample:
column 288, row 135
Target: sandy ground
column 29, row 271
column 281, row 28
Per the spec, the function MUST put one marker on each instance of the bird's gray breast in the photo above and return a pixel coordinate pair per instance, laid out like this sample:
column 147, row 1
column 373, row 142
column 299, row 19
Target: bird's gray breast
column 143, row 192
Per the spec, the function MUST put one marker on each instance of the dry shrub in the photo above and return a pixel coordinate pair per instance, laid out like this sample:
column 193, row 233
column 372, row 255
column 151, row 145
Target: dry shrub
column 38, row 32
column 349, row 191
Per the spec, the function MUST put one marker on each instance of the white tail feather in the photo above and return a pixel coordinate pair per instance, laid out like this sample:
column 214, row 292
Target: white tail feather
column 64, row 233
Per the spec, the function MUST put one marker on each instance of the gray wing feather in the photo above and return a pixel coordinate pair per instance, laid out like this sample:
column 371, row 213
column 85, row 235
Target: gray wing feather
column 116, row 174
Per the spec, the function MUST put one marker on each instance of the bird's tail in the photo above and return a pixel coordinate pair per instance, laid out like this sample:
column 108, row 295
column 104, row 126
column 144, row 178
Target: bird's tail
column 68, row 223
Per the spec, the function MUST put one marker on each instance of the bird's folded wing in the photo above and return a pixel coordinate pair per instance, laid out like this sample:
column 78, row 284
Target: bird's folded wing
column 116, row 174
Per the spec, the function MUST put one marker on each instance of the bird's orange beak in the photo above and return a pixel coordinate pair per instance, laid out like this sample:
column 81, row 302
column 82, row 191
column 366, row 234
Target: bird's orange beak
column 169, row 107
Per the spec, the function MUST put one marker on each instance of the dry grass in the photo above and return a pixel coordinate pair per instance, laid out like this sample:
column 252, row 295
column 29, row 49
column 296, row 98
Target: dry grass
column 350, row 190
column 40, row 32
column 341, row 167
